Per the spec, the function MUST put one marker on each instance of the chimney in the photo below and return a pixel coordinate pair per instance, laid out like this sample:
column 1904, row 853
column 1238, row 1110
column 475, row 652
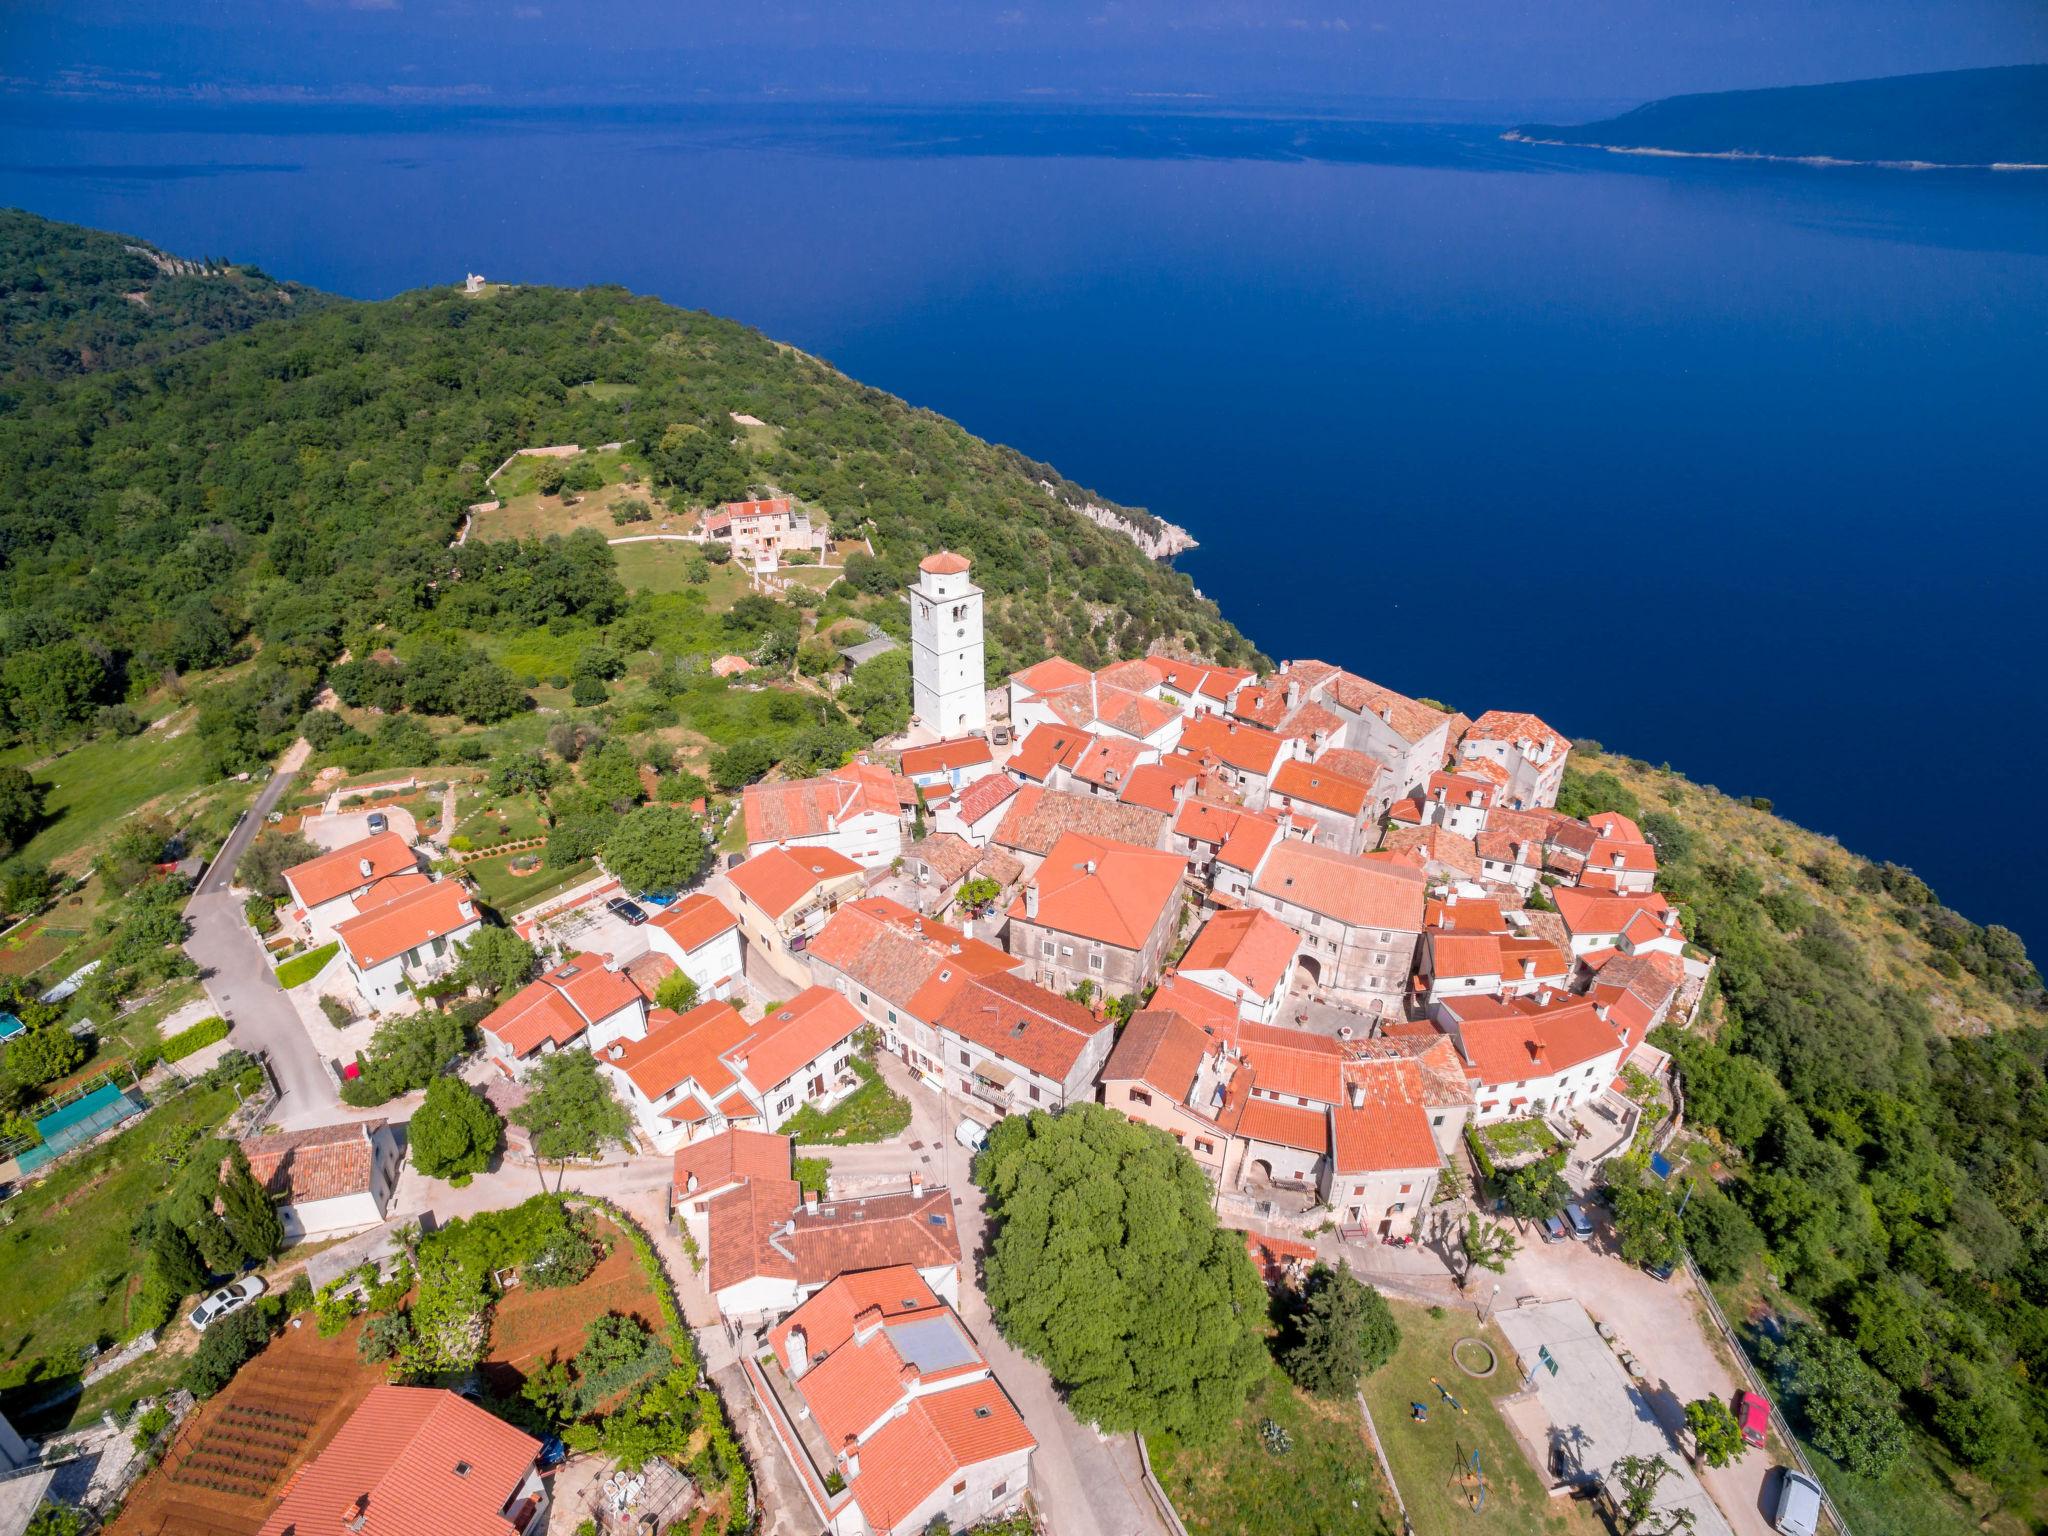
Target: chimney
column 967, row 930
column 1528, row 969
column 611, row 961
column 468, row 910
column 366, row 867
column 916, row 1183
column 1451, row 897
column 1358, row 1095
column 852, row 1465
column 799, row 1352
column 353, row 1516
column 1387, row 713
column 1087, row 866
column 1600, row 1012
column 1031, row 902
column 1180, row 791
column 1293, row 692
column 810, row 1202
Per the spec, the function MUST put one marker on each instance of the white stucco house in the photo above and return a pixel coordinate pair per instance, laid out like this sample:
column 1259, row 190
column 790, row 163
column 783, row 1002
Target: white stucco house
column 330, row 1180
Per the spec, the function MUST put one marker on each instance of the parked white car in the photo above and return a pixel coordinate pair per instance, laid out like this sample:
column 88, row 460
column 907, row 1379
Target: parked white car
column 229, row 1298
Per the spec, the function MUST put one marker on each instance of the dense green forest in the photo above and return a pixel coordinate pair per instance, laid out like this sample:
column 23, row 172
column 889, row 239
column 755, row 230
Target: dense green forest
column 1958, row 117
column 76, row 300
column 293, row 489
column 1882, row 1152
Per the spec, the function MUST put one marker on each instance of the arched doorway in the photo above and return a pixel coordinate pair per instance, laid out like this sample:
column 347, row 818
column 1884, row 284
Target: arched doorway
column 1308, row 974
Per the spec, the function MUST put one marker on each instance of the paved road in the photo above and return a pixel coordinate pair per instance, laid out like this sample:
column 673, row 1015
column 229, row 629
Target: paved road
column 239, row 980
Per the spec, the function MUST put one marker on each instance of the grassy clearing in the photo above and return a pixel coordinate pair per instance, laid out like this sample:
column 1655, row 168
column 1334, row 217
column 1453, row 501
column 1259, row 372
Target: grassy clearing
column 521, row 476
column 1426, row 1457
column 600, row 389
column 501, row 819
column 69, row 1265
column 93, row 786
column 1512, row 1140
column 658, row 565
column 1328, row 1481
column 872, row 1112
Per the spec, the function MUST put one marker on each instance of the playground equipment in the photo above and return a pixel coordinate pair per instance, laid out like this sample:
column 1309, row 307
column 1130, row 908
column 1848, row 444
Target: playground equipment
column 1444, row 1392
column 1468, row 1477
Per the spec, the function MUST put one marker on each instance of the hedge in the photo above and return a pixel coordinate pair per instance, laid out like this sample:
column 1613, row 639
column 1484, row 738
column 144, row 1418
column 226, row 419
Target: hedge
column 197, row 1038
column 305, row 967
column 1480, row 1157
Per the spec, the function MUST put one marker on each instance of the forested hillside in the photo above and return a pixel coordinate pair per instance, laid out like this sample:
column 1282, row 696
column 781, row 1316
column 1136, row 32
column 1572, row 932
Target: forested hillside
column 76, row 300
column 295, row 488
column 1874, row 1073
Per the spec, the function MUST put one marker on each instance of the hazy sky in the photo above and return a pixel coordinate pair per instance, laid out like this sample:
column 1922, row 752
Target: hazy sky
column 507, row 51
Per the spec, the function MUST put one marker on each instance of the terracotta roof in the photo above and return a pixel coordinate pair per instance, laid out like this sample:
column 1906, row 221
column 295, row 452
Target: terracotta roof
column 730, row 1157
column 740, row 1232
column 842, row 1235
column 1435, row 1056
column 1271, row 1256
column 432, row 912
column 1437, row 845
column 908, row 961
column 1049, row 748
column 1050, row 675
column 829, row 1318
column 944, row 756
column 1292, row 1062
column 777, row 879
column 981, row 797
column 1248, row 841
column 1022, row 1022
column 1463, row 789
column 319, row 1164
column 1360, row 766
column 1355, row 891
column 1411, row 719
column 949, row 857
column 1472, row 914
column 802, row 808
column 1152, row 785
column 1136, row 676
column 1241, row 746
column 1110, row 892
column 390, row 888
column 1285, row 1125
column 1390, row 1129
column 1318, row 785
column 1252, row 946
column 1198, row 680
column 410, row 1461
column 1515, row 728
column 680, row 1048
column 695, row 921
column 1108, row 761
column 945, row 563
column 999, row 865
column 340, row 871
column 1196, row 1003
column 794, row 1035
column 561, row 1004
column 1455, row 952
column 746, row 511
column 1536, row 1044
column 1599, row 912
column 1161, row 1049
column 1036, row 821
column 648, row 971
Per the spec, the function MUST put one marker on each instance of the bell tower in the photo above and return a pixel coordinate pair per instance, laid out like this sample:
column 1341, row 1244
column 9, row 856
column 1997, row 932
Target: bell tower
column 948, row 694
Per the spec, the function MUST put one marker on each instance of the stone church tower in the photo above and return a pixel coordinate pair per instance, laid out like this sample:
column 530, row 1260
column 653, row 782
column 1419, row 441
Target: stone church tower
column 947, row 692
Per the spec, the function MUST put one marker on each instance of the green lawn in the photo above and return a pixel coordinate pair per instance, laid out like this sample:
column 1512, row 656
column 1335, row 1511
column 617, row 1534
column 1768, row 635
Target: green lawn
column 1425, row 1456
column 485, row 828
column 660, row 565
column 601, row 389
column 521, row 476
column 872, row 1112
column 69, row 1264
column 302, row 968
column 1327, row 1482
column 511, row 893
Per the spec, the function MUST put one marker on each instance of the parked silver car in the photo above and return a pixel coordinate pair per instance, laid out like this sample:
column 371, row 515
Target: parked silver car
column 1798, row 1512
column 229, row 1298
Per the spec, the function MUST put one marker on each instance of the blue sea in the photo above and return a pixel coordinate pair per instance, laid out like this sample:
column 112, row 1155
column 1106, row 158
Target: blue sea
column 1736, row 467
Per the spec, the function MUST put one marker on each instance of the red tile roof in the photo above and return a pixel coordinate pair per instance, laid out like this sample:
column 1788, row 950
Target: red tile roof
column 793, row 1036
column 410, row 1461
column 1390, row 1129
column 1411, row 719
column 1315, row 784
column 1161, row 1049
column 561, row 1004
column 431, row 912
column 945, row 563
column 1353, row 890
column 1047, row 749
column 1105, row 891
column 777, row 879
column 1602, row 912
column 680, row 1048
column 1021, row 1022
column 1541, row 1043
column 802, row 808
column 881, row 1230
column 1199, row 680
column 319, row 1164
column 1037, row 819
column 1241, row 746
column 1252, row 946
column 909, row 961
column 945, row 756
column 1108, row 761
column 976, row 800
column 1050, row 675
column 695, row 921
column 1196, row 1003
column 1285, row 1125
column 340, row 870
column 1515, row 727
column 731, row 1157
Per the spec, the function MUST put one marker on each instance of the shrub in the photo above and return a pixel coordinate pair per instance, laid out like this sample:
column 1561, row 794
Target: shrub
column 226, row 1345
column 196, row 1038
column 261, row 912
column 336, row 1010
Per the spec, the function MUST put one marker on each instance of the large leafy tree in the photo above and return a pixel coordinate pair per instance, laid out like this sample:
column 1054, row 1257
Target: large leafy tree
column 262, row 867
column 657, row 848
column 1107, row 1264
column 455, row 1132
column 498, row 960
column 1715, row 1434
column 251, row 1219
column 1344, row 1330
column 21, row 806
column 570, row 1113
column 1851, row 1410
column 1536, row 1191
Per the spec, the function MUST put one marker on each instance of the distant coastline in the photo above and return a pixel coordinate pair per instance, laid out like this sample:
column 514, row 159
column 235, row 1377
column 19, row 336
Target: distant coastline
column 1957, row 120
column 1518, row 136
